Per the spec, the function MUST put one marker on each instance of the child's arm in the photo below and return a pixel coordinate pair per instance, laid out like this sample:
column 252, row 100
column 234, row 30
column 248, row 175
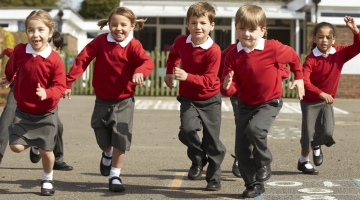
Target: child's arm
column 171, row 63
column 228, row 80
column 82, row 61
column 144, row 62
column 350, row 51
column 286, row 54
column 307, row 69
column 58, row 83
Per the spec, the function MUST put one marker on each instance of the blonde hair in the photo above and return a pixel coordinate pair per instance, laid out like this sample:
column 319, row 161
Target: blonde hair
column 250, row 16
column 126, row 12
column 42, row 16
column 201, row 9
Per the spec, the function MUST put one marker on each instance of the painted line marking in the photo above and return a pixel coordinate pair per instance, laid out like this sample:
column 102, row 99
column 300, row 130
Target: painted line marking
column 226, row 106
column 175, row 183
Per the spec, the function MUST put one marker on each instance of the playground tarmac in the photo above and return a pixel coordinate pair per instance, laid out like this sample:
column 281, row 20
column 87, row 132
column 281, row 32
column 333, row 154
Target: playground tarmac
column 156, row 165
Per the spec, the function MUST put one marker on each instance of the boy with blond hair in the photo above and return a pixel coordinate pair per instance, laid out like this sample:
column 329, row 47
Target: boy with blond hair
column 252, row 69
column 199, row 93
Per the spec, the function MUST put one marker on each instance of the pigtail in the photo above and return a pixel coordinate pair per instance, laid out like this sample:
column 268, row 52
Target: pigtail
column 102, row 23
column 313, row 46
column 139, row 24
column 56, row 40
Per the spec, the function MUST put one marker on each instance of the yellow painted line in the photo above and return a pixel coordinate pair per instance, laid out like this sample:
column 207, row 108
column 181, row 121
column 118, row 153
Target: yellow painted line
column 175, row 183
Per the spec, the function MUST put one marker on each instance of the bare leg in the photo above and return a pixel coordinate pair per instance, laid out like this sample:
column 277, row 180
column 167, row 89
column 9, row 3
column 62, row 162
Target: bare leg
column 47, row 160
column 18, row 148
column 118, row 157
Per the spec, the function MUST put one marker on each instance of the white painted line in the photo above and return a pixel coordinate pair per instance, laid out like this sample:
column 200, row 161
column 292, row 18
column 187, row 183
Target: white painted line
column 292, row 108
column 341, row 111
column 224, row 106
column 158, row 103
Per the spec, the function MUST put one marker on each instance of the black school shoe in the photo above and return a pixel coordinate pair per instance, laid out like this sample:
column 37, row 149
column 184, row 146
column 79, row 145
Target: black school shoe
column 63, row 167
column 33, row 157
column 263, row 173
column 116, row 187
column 213, row 186
column 318, row 160
column 253, row 190
column 301, row 167
column 47, row 192
column 196, row 170
column 235, row 169
column 105, row 170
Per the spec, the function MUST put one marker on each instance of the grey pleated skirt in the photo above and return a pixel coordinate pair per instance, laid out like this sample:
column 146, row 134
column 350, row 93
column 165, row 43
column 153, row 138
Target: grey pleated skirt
column 35, row 130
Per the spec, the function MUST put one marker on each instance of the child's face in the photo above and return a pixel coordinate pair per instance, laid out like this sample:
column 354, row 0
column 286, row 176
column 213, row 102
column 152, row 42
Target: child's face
column 120, row 27
column 249, row 37
column 38, row 34
column 324, row 39
column 199, row 28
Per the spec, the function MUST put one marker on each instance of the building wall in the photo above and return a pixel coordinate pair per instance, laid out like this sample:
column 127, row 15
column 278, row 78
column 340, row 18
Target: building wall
column 349, row 84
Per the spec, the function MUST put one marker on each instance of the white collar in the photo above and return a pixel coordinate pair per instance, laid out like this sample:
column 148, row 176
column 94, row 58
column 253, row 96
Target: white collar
column 317, row 52
column 205, row 45
column 260, row 46
column 45, row 53
column 125, row 42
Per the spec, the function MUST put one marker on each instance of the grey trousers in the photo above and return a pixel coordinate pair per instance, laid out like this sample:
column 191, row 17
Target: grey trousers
column 252, row 128
column 318, row 124
column 7, row 118
column 206, row 115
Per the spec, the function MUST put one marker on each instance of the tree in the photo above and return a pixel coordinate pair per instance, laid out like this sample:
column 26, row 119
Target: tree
column 28, row 3
column 97, row 9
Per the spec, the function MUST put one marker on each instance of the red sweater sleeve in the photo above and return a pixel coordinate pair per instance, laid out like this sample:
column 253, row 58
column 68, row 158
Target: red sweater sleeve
column 229, row 64
column 287, row 55
column 144, row 62
column 307, row 70
column 8, row 51
column 173, row 58
column 82, row 61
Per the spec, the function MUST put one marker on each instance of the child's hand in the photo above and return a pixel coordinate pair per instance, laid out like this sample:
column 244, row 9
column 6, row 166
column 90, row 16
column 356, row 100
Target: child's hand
column 228, row 80
column 68, row 93
column 41, row 92
column 299, row 84
column 169, row 80
column 138, row 79
column 327, row 98
column 4, row 82
column 350, row 23
column 180, row 74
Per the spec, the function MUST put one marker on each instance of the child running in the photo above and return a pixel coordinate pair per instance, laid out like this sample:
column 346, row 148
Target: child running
column 40, row 83
column 285, row 72
column 9, row 110
column 199, row 93
column 121, row 64
column 260, row 100
column 322, row 69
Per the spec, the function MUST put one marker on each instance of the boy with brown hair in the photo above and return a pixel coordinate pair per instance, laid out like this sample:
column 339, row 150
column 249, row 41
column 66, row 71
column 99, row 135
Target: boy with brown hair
column 199, row 93
column 252, row 69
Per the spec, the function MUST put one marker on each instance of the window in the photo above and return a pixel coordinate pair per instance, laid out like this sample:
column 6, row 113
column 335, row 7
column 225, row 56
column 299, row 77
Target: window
column 147, row 37
column 21, row 26
column 171, row 20
column 4, row 25
column 91, row 34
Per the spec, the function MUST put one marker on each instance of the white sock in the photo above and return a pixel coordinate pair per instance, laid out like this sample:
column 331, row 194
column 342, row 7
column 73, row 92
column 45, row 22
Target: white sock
column 35, row 150
column 316, row 150
column 304, row 159
column 115, row 172
column 47, row 176
column 106, row 161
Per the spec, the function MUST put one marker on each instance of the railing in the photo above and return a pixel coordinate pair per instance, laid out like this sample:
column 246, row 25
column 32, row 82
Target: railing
column 154, row 84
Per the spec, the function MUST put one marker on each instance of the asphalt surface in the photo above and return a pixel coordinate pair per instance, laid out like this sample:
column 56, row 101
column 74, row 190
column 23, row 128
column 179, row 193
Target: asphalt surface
column 156, row 165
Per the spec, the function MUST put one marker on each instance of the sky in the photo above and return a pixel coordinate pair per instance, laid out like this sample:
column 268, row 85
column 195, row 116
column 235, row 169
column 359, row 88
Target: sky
column 75, row 4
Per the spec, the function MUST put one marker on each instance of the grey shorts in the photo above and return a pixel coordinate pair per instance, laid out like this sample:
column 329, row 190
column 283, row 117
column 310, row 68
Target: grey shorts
column 112, row 123
column 35, row 130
